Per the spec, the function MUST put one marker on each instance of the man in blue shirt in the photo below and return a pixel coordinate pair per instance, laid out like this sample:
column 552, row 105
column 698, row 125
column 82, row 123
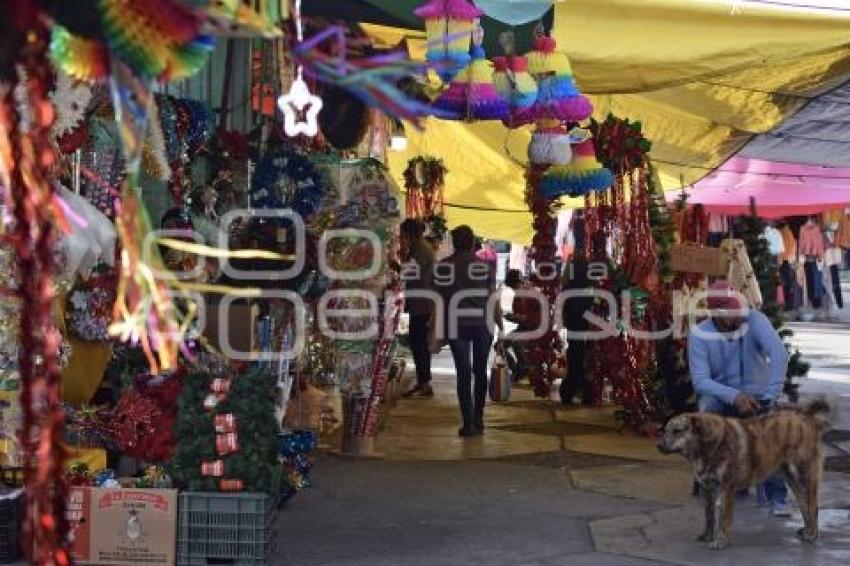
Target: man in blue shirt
column 738, row 364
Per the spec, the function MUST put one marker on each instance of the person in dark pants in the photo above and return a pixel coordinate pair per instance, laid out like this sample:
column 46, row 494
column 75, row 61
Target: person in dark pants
column 466, row 284
column 575, row 307
column 418, row 277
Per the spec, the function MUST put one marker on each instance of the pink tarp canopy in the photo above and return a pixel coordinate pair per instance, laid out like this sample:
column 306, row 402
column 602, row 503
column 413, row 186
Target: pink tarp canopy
column 779, row 189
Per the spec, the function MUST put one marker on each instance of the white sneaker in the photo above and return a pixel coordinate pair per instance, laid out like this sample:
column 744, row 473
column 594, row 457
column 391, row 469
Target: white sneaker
column 780, row 509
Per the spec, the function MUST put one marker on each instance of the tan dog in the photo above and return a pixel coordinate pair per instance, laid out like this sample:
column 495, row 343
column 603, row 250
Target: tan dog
column 729, row 454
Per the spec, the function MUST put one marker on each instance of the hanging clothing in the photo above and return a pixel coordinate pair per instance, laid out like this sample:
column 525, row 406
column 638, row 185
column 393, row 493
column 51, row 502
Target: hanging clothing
column 814, row 283
column 842, row 236
column 718, row 227
column 775, row 242
column 811, row 240
column 741, row 274
column 833, row 259
column 836, row 286
column 789, row 286
column 789, row 244
column 717, row 223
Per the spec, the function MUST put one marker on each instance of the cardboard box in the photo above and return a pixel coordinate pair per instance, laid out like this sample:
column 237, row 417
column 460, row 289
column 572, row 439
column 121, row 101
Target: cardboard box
column 123, row 526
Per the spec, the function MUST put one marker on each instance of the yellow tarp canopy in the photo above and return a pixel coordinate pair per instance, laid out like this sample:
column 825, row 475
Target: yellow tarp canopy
column 701, row 80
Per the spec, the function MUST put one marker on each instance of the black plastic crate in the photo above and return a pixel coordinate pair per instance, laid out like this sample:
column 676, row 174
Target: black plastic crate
column 225, row 528
column 11, row 518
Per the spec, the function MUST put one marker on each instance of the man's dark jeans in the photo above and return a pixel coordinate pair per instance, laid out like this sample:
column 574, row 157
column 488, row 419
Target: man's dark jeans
column 419, row 347
column 474, row 342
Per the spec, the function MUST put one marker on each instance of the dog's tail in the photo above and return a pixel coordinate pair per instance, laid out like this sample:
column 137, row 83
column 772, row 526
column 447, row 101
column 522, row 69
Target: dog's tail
column 822, row 411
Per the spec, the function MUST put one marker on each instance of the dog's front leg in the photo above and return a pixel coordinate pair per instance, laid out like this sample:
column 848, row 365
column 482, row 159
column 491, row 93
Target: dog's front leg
column 709, row 489
column 727, row 505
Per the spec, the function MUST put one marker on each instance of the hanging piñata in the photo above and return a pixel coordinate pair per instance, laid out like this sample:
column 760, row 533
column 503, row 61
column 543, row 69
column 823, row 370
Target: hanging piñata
column 583, row 175
column 513, row 82
column 448, row 28
column 472, row 94
column 557, row 95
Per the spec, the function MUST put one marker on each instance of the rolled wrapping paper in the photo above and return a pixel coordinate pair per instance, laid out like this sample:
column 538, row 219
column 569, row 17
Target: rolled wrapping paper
column 550, row 146
column 513, row 82
column 472, row 94
column 583, row 175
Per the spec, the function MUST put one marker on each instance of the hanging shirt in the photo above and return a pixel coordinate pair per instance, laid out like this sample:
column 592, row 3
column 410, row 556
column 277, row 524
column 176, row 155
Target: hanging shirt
column 842, row 236
column 789, row 243
column 774, row 240
column 754, row 363
column 811, row 240
column 717, row 223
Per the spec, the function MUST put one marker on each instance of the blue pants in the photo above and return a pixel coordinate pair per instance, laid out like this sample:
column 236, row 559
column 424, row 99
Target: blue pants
column 775, row 490
column 470, row 351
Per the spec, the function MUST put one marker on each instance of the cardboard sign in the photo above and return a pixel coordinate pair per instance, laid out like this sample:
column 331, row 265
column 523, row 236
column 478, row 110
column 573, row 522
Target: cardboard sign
column 689, row 258
column 123, row 526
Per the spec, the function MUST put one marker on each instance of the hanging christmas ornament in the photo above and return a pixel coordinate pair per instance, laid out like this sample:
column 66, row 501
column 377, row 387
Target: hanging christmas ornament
column 299, row 106
column 557, row 95
column 448, row 28
column 300, row 109
column 584, row 174
column 513, row 82
column 472, row 94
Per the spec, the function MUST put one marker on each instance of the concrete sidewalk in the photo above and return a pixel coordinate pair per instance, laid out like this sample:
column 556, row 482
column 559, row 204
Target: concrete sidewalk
column 547, row 485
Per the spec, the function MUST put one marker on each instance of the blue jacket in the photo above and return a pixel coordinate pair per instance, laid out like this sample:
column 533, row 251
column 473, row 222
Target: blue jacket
column 754, row 363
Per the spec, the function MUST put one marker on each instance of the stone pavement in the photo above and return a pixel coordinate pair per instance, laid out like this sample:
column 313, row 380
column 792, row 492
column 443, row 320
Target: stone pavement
column 546, row 485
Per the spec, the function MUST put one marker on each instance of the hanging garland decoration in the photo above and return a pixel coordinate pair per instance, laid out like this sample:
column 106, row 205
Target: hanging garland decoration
column 625, row 222
column 187, row 127
column 285, row 178
column 543, row 354
column 424, row 179
column 26, row 155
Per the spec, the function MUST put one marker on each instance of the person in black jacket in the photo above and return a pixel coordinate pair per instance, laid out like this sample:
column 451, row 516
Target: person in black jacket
column 470, row 330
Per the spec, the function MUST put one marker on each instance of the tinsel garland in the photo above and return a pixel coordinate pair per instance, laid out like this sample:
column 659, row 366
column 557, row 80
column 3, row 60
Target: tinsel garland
column 543, row 355
column 26, row 116
column 633, row 266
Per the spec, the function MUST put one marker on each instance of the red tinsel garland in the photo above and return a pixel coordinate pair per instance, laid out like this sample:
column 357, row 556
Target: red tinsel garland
column 623, row 360
column 28, row 157
column 544, row 355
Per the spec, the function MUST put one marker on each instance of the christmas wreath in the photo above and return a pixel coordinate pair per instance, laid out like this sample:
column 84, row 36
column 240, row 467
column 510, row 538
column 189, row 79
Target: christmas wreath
column 287, row 179
column 620, row 144
column 424, row 179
